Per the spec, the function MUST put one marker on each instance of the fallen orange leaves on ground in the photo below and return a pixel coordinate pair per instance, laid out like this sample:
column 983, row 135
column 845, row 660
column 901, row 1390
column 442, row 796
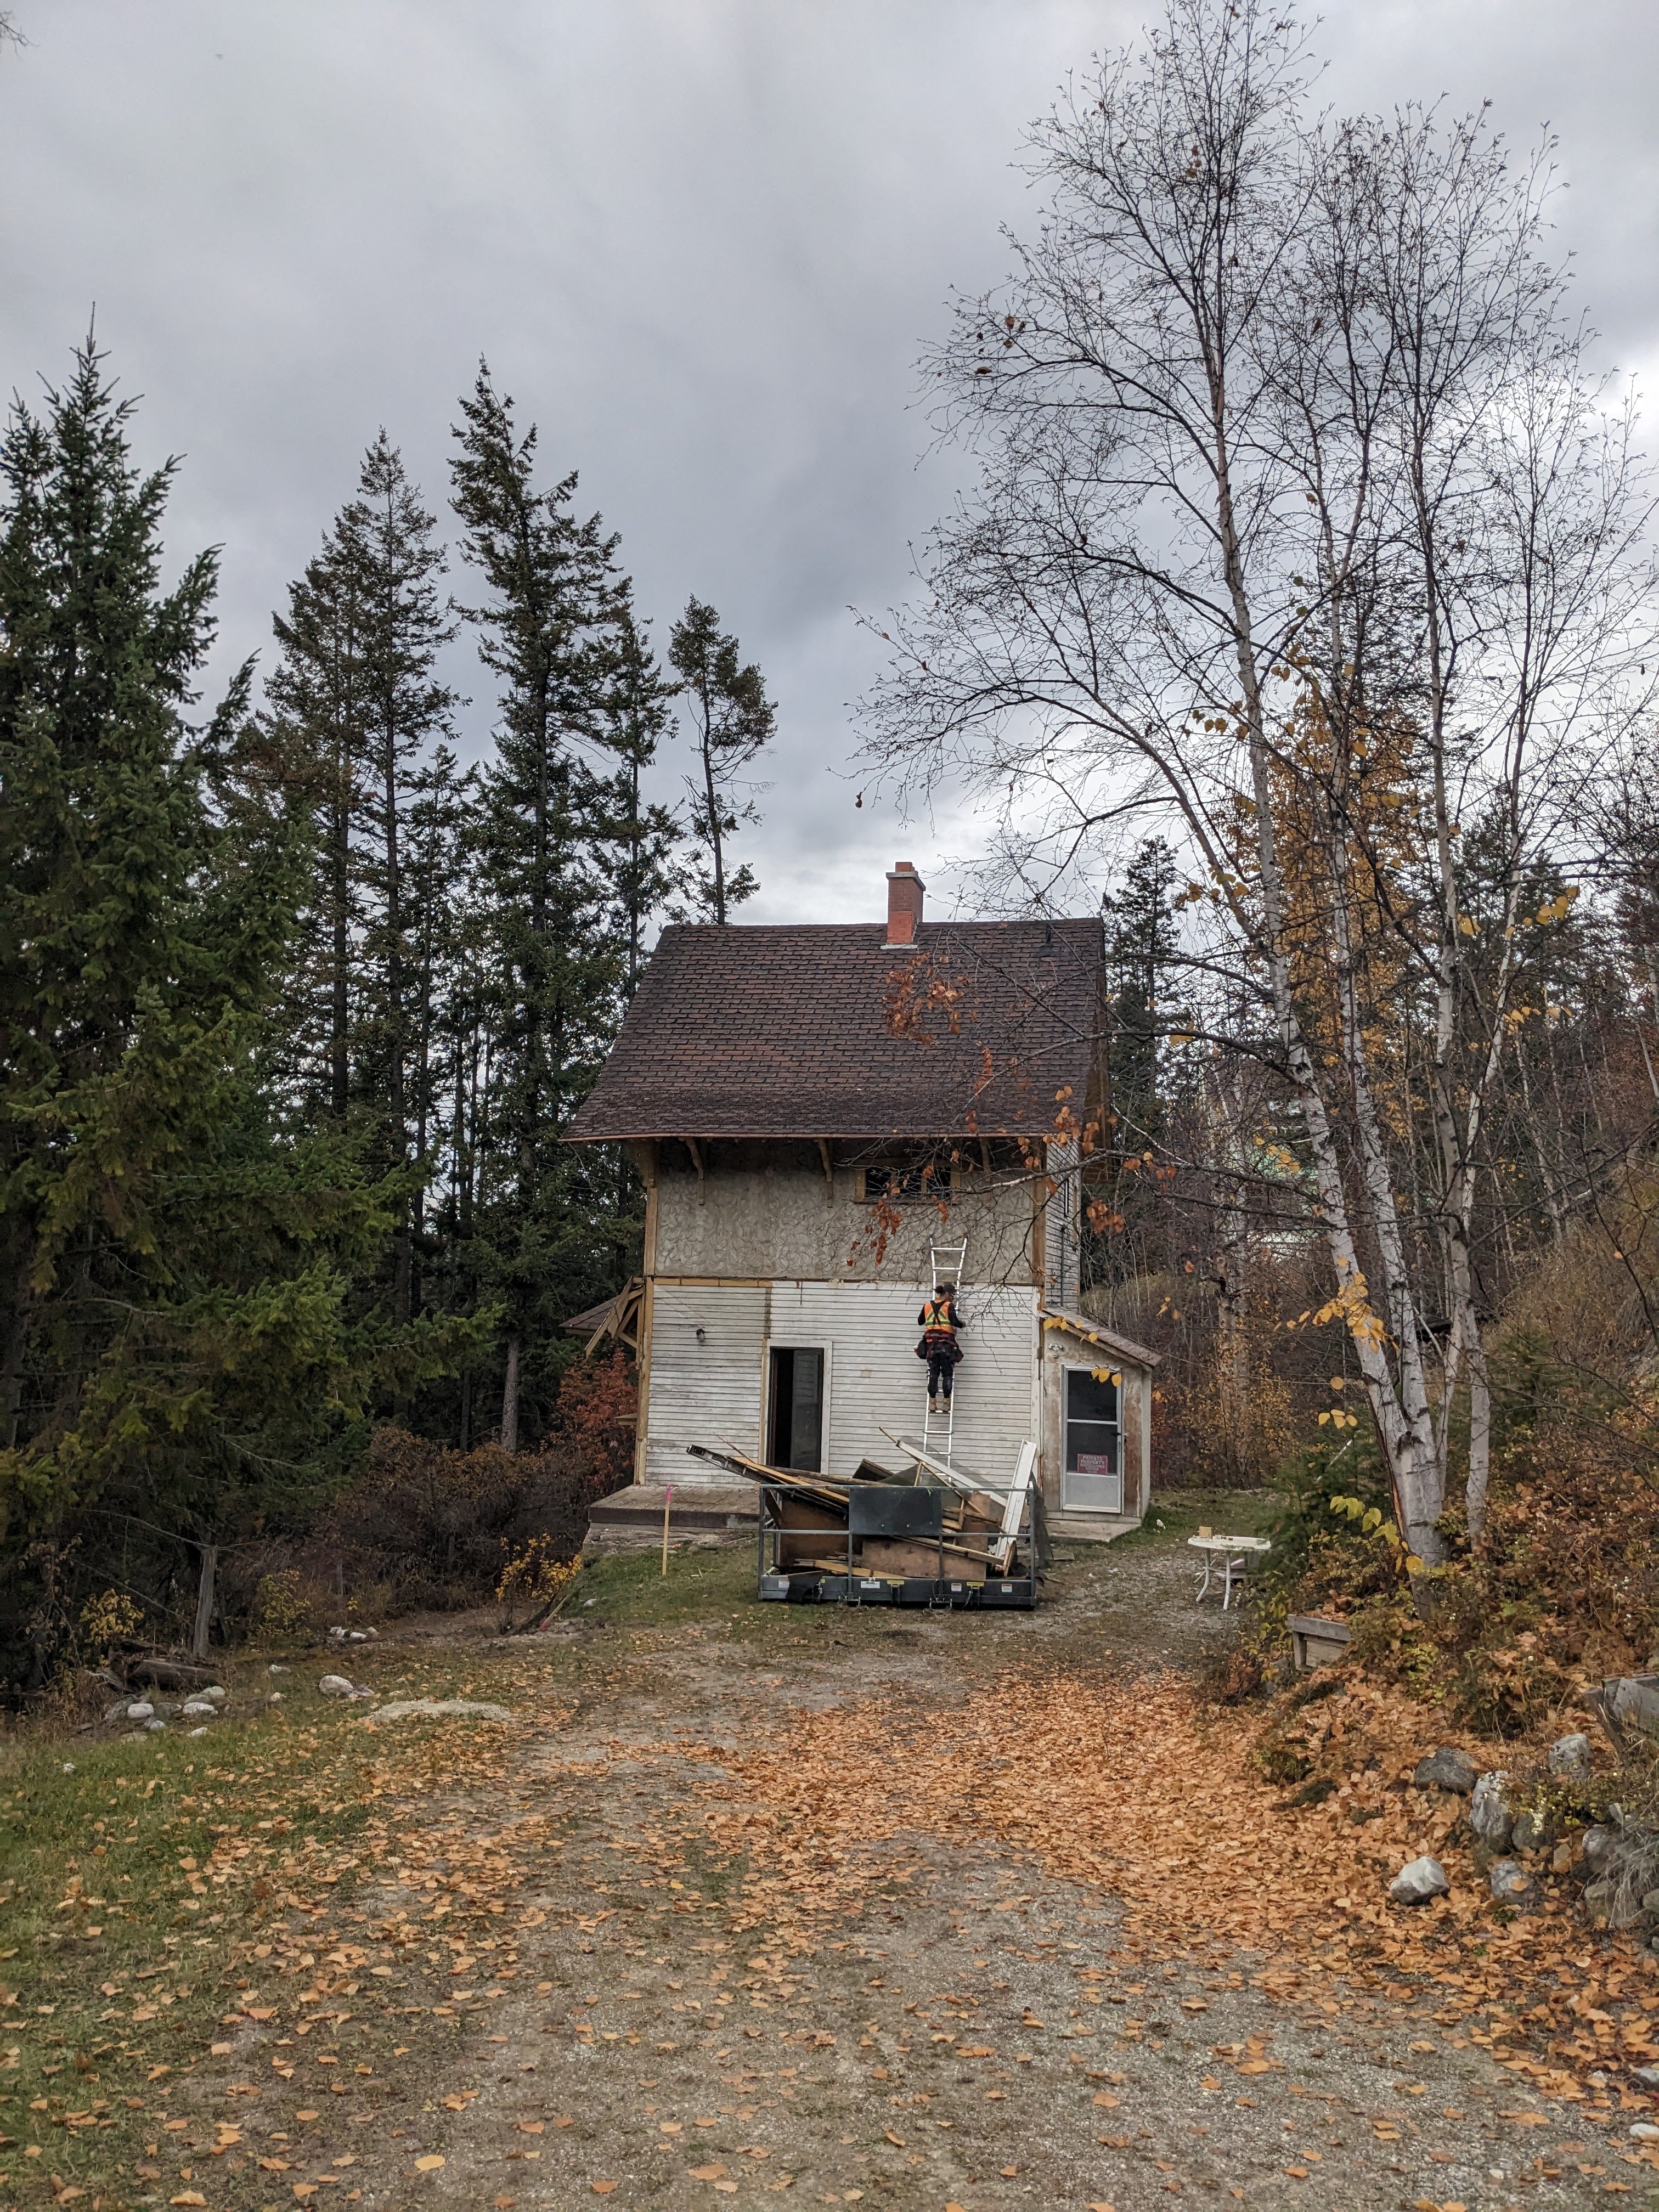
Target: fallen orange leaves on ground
column 1139, row 1788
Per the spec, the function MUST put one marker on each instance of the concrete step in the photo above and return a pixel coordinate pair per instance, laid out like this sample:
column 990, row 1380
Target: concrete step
column 1088, row 1527
column 701, row 1513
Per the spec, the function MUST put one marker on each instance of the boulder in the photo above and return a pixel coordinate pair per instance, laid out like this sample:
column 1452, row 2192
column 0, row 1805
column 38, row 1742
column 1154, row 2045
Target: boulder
column 1609, row 1904
column 217, row 1691
column 440, row 1709
column 1599, row 1846
column 165, row 1673
column 1510, row 1883
column 1644, row 2131
column 1633, row 1700
column 1570, row 1761
column 1534, row 1832
column 1447, row 1769
column 335, row 1685
column 1647, row 2075
column 141, row 1710
column 197, row 1708
column 1419, row 1881
column 1492, row 1815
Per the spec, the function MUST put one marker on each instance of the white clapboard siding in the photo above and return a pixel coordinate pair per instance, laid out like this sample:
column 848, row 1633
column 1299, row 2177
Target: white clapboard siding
column 708, row 1392
column 997, row 1381
column 1062, row 1214
column 877, row 1382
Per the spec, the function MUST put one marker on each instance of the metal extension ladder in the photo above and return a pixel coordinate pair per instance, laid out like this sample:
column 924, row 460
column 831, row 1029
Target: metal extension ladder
column 945, row 1263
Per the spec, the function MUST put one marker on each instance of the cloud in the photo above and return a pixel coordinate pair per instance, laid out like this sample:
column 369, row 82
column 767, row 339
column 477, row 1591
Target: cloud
column 701, row 241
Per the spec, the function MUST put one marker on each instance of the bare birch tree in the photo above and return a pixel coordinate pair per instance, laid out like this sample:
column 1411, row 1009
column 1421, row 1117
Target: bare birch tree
column 1299, row 517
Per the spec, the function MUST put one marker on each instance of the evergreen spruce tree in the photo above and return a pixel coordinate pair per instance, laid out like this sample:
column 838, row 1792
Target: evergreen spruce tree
column 643, row 836
column 314, row 696
column 732, row 721
column 440, row 824
column 548, row 626
column 357, row 698
column 1128, row 1237
column 180, row 1342
column 1142, row 948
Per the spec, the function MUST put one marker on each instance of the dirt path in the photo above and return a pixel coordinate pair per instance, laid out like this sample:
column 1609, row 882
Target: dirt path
column 665, row 2015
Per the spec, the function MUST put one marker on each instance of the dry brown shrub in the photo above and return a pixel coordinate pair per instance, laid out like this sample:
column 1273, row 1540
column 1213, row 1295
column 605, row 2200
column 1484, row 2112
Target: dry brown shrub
column 1227, row 1438
column 435, row 1526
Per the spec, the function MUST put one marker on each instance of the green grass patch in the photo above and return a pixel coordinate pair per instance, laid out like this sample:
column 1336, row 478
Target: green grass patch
column 1177, row 1515
column 628, row 1589
column 125, row 1943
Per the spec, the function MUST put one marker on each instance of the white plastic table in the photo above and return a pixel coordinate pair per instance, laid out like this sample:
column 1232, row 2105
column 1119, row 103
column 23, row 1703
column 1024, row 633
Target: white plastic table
column 1225, row 1555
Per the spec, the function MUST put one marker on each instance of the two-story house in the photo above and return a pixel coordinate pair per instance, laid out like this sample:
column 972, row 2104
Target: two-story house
column 814, row 1109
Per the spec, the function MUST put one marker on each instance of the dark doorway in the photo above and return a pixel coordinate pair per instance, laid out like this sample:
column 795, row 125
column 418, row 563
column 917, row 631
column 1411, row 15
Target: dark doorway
column 794, row 1428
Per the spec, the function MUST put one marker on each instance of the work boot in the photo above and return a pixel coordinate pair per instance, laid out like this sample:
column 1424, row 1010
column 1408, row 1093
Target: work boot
column 933, row 1405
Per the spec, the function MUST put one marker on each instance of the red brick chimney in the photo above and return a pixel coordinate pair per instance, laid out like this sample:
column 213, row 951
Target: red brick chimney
column 904, row 893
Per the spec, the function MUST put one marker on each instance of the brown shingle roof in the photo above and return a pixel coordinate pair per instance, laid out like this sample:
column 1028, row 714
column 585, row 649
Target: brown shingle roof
column 826, row 1031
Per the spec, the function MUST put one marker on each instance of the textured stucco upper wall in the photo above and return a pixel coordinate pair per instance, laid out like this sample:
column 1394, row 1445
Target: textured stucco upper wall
column 764, row 1211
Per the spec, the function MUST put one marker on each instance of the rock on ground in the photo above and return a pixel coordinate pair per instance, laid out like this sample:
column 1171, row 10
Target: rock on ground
column 1599, row 1846
column 1534, row 1832
column 1492, row 1815
column 1449, row 1768
column 1417, row 1881
column 440, row 1709
column 1509, row 1882
column 1571, row 1760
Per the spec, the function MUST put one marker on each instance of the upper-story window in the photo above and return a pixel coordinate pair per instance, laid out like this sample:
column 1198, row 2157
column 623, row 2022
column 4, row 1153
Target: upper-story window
column 894, row 1183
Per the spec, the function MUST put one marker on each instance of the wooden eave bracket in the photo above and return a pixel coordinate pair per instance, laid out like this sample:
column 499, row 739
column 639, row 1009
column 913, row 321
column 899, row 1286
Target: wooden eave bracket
column 695, row 1151
column 828, row 1167
column 623, row 1321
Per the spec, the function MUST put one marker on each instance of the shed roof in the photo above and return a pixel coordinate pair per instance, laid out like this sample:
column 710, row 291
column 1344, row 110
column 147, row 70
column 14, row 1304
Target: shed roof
column 1096, row 1332
column 824, row 1029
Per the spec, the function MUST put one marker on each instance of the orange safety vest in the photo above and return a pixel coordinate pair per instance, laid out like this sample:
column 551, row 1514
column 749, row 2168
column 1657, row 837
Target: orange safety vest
column 939, row 1318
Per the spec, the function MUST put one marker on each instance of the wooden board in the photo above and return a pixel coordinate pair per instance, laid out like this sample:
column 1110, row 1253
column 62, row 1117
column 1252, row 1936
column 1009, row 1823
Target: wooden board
column 894, row 1555
column 812, row 1531
column 891, row 1555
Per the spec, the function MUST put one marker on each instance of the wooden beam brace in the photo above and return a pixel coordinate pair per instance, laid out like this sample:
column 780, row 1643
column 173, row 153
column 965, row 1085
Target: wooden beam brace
column 695, row 1151
column 829, row 1167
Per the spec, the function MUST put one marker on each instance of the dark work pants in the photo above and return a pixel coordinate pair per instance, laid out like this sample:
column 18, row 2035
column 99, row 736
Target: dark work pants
column 941, row 1366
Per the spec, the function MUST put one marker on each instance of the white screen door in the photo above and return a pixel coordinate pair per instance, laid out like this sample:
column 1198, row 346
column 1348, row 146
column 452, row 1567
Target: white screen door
column 1091, row 1469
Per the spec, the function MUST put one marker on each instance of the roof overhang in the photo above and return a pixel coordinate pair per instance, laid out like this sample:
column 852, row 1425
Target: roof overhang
column 838, row 1135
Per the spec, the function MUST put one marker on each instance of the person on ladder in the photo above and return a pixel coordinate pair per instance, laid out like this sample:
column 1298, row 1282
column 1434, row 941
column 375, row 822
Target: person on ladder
column 940, row 1322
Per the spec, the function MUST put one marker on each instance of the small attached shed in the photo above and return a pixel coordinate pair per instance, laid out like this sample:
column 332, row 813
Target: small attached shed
column 1095, row 1425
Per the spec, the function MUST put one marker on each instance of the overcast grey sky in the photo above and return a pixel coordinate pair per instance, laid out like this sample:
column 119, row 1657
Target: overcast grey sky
column 701, row 242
